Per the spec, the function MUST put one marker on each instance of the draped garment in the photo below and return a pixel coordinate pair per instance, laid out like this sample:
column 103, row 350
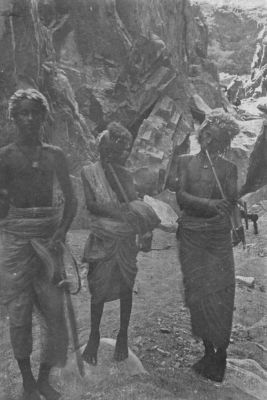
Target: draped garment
column 111, row 248
column 24, row 236
column 207, row 263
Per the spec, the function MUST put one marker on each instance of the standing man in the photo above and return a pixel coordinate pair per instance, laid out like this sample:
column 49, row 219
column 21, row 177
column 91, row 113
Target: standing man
column 205, row 251
column 116, row 217
column 31, row 230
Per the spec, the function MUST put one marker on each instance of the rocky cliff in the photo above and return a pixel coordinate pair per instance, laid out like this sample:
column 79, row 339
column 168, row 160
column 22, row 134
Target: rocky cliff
column 135, row 61
column 233, row 30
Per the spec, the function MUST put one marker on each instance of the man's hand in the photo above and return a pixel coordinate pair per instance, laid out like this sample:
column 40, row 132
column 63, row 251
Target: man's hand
column 222, row 207
column 58, row 237
column 131, row 218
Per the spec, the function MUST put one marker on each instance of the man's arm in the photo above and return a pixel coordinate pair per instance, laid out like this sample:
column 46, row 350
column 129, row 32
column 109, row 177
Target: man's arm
column 231, row 192
column 185, row 199
column 70, row 204
column 4, row 201
column 93, row 206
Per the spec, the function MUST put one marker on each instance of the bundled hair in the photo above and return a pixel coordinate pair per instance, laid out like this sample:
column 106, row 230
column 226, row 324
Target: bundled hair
column 224, row 123
column 26, row 94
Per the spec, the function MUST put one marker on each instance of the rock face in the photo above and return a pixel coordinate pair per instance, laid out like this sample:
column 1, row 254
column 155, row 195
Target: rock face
column 257, row 84
column 233, row 30
column 256, row 174
column 124, row 60
column 29, row 59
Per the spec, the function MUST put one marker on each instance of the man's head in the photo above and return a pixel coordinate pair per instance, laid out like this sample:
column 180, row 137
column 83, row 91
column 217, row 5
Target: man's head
column 28, row 108
column 216, row 132
column 115, row 144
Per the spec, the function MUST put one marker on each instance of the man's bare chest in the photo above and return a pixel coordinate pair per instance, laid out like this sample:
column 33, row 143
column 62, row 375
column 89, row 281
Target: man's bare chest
column 201, row 180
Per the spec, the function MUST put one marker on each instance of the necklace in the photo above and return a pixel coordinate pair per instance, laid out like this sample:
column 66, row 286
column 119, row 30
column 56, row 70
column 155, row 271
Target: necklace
column 35, row 161
column 203, row 160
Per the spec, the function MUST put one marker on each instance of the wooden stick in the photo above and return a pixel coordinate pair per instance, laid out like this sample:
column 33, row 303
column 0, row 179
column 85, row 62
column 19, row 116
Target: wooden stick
column 173, row 151
column 215, row 175
column 220, row 188
column 123, row 193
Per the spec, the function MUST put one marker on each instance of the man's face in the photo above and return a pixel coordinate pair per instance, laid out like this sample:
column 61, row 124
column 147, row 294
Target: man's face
column 29, row 117
column 209, row 139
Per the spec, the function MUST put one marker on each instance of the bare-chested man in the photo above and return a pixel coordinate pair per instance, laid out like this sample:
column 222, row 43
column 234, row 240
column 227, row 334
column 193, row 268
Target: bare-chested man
column 30, row 222
column 111, row 248
column 206, row 253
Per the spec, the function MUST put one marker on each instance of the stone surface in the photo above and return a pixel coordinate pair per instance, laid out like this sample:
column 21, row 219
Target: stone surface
column 166, row 214
column 123, row 60
column 249, row 376
column 105, row 371
column 246, row 280
column 233, row 27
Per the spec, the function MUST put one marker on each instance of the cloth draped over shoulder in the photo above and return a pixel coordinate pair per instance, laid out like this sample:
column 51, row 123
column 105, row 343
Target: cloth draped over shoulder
column 207, row 263
column 111, row 246
column 24, row 236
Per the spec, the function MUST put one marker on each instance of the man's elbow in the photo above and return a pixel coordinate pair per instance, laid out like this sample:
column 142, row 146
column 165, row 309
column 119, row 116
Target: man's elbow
column 74, row 205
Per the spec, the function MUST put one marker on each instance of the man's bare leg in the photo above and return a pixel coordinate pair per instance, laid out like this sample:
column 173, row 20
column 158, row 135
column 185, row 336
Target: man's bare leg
column 29, row 383
column 90, row 352
column 216, row 370
column 213, row 364
column 121, row 349
column 43, row 385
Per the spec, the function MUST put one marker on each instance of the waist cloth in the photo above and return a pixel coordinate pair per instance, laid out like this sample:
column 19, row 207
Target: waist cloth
column 207, row 263
column 111, row 252
column 111, row 248
column 24, row 236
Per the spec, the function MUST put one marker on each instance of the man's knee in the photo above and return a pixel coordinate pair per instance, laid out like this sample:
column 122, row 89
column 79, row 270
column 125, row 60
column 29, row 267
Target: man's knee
column 21, row 341
column 50, row 302
column 20, row 323
column 126, row 295
column 20, row 311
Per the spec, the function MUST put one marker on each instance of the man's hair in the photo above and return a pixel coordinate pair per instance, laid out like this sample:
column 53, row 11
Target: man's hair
column 112, row 129
column 117, row 128
column 28, row 94
column 226, row 125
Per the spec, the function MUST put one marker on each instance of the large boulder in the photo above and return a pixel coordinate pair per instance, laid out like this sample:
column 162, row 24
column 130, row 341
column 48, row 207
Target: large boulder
column 233, row 31
column 123, row 60
column 256, row 176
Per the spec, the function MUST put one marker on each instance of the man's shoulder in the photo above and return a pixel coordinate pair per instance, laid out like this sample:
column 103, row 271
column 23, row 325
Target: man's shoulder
column 8, row 150
column 50, row 148
column 55, row 154
column 228, row 164
column 184, row 159
column 88, row 166
column 185, row 156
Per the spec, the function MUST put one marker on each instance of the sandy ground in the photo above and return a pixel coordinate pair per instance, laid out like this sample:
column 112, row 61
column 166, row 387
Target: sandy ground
column 158, row 308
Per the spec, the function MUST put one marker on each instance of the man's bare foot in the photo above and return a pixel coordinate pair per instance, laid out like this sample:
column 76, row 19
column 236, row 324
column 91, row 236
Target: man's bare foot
column 211, row 368
column 216, row 370
column 201, row 365
column 48, row 391
column 90, row 352
column 121, row 348
column 31, row 395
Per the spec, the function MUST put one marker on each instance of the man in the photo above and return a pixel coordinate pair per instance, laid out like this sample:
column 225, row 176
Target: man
column 116, row 217
column 31, row 231
column 205, row 251
column 257, row 168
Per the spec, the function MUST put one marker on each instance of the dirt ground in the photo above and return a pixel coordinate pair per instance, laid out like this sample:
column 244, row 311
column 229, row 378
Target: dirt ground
column 159, row 331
